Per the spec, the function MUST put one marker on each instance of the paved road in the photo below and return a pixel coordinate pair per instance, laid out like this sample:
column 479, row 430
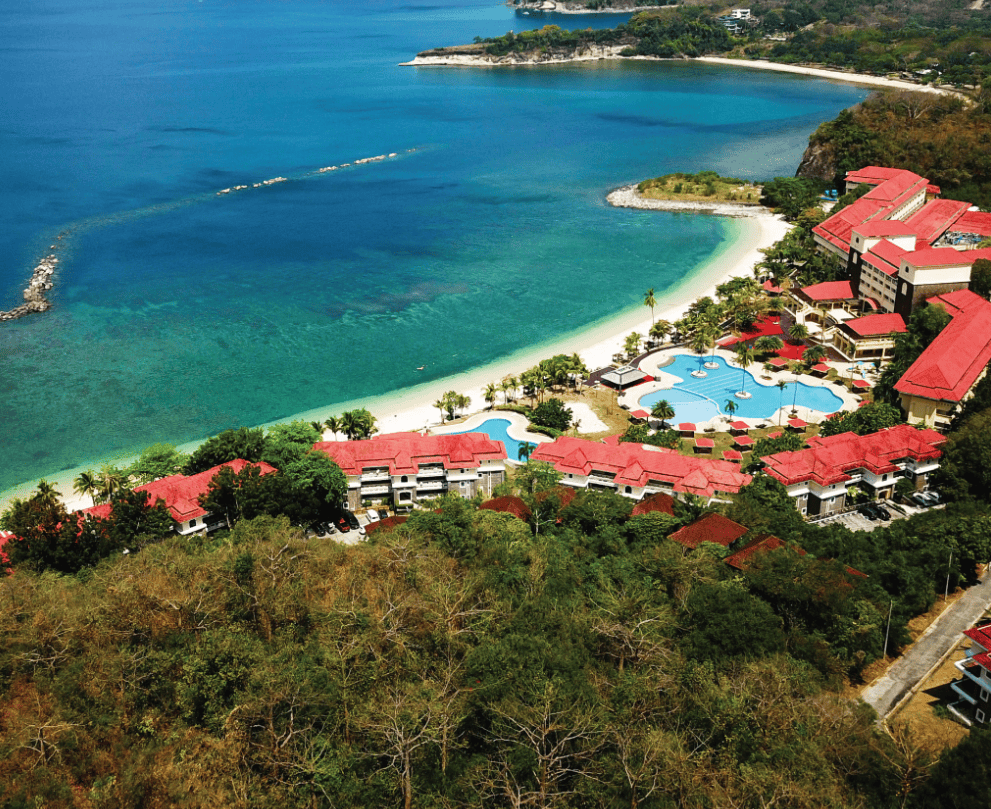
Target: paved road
column 928, row 650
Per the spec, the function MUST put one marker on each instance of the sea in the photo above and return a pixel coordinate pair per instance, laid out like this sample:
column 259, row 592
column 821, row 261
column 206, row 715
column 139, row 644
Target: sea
column 180, row 311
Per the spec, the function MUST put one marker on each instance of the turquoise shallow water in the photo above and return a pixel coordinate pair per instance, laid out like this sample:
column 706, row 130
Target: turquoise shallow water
column 179, row 313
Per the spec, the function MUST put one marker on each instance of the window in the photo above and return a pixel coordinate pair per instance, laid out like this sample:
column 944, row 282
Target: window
column 984, row 695
column 192, row 523
column 405, row 496
column 980, row 716
column 629, row 490
column 404, row 479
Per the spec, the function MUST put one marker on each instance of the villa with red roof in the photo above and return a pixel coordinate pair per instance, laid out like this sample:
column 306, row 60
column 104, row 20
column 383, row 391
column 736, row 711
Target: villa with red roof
column 636, row 471
column 974, row 689
column 944, row 375
column 818, row 477
column 180, row 494
column 871, row 337
column 404, row 468
column 710, row 527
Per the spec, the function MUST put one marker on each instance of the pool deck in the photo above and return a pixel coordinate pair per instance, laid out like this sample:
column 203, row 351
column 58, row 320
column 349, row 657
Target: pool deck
column 652, row 365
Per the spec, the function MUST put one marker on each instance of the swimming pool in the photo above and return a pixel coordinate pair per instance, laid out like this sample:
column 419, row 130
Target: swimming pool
column 703, row 399
column 498, row 430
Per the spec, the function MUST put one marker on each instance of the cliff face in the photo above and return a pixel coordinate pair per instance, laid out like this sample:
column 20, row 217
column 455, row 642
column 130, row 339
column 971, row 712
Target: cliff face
column 476, row 55
column 818, row 163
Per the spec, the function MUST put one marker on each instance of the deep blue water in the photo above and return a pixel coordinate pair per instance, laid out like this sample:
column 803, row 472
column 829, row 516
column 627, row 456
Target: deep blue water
column 695, row 399
column 179, row 313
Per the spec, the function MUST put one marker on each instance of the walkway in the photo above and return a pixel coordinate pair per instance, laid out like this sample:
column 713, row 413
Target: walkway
column 908, row 673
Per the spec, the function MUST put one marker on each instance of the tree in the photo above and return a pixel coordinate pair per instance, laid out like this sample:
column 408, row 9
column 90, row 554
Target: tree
column 965, row 468
column 651, row 302
column 781, row 385
column 632, row 344
column 552, row 413
column 662, row 410
column 798, row 332
column 768, row 344
column 227, row 446
column 490, row 394
column 980, row 278
column 535, row 477
column 659, row 330
column 334, row 425
column 814, row 354
column 867, row 419
column 157, row 461
column 441, row 405
column 86, row 484
column 730, row 407
column 744, row 356
column 713, row 607
column 790, row 196
column 962, row 777
column 112, row 480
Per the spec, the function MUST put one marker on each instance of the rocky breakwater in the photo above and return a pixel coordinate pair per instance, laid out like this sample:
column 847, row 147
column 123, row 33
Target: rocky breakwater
column 34, row 296
column 475, row 55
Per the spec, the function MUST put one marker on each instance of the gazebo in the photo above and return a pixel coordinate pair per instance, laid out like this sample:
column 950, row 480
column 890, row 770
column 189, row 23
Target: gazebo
column 735, row 456
column 797, row 425
column 686, row 429
column 640, row 415
column 625, row 377
column 704, row 445
column 861, row 384
column 738, row 427
column 820, row 370
column 744, row 442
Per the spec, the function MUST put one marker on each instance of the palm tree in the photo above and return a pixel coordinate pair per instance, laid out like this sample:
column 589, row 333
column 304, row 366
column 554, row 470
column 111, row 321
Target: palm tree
column 577, row 367
column 781, row 407
column 659, row 330
column 744, row 357
column 490, row 394
column 463, row 402
column 768, row 344
column 365, row 423
column 648, row 300
column 514, row 383
column 441, row 405
column 700, row 345
column 730, row 407
column 111, row 481
column 814, row 354
column 632, row 344
column 798, row 332
column 662, row 410
column 87, row 485
column 823, row 312
column 349, row 424
column 712, row 333
column 49, row 494
column 504, row 386
column 334, row 425
column 523, row 453
column 795, row 369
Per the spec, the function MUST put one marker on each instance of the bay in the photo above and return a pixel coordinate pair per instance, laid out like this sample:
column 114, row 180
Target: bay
column 178, row 312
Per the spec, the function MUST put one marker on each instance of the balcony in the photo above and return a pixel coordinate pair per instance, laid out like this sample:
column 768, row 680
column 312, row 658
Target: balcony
column 375, row 474
column 374, row 489
column 430, row 472
column 431, row 486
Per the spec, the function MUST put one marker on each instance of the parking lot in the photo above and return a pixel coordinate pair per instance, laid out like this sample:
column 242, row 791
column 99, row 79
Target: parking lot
column 856, row 521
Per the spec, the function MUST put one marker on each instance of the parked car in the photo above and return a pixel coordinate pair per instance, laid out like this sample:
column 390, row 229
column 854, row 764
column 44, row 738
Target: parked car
column 342, row 524
column 919, row 500
column 882, row 512
column 932, row 498
column 373, row 515
column 352, row 521
column 868, row 511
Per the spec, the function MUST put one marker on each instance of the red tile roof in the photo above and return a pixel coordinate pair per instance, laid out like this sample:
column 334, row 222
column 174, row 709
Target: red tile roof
column 798, row 424
column 404, row 453
column 821, row 367
column 829, row 459
column 686, row 427
column 871, row 325
column 180, row 493
column 884, row 227
column 744, row 440
column 885, row 256
column 710, row 527
column 934, row 218
column 951, row 365
column 837, row 228
column 898, row 189
column 829, row 291
column 508, row 505
column 980, row 634
column 564, row 495
column 386, row 523
column 939, row 257
column 705, row 443
column 873, row 175
column 741, row 560
column 739, row 425
column 661, row 502
column 769, row 286
column 634, row 465
column 974, row 222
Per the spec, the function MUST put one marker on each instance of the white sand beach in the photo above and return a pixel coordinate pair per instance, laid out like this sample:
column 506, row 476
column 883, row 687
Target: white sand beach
column 412, row 409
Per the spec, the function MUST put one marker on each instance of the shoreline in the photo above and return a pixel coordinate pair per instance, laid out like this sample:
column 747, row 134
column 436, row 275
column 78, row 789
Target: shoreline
column 559, row 8
column 627, row 196
column 612, row 52
column 411, row 409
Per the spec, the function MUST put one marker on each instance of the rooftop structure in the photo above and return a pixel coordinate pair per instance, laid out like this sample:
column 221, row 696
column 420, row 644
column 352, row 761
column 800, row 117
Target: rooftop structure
column 404, row 468
column 710, row 527
column 763, row 543
column 635, row 471
column 974, row 689
column 818, row 477
column 624, row 377
column 508, row 505
column 660, row 502
column 945, row 373
column 180, row 494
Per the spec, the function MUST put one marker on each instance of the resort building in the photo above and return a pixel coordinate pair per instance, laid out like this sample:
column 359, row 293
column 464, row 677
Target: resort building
column 404, row 468
column 943, row 377
column 871, row 337
column 974, row 688
column 900, row 244
column 636, row 471
column 818, row 477
column 181, row 493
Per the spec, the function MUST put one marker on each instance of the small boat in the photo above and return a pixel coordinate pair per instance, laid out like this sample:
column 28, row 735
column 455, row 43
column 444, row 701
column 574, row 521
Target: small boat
column 421, row 367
